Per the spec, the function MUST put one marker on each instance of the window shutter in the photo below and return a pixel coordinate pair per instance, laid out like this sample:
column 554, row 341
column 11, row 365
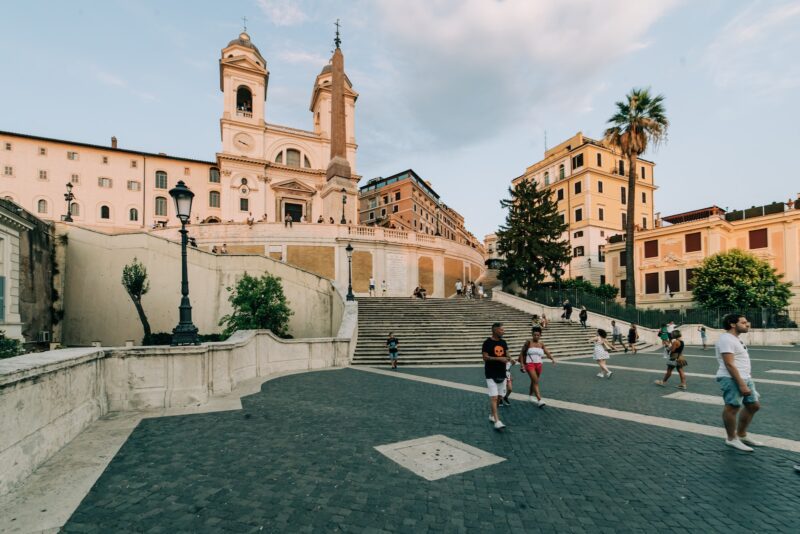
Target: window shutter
column 693, row 242
column 651, row 283
column 651, row 248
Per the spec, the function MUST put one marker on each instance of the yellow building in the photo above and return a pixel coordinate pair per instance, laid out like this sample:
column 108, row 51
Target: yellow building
column 588, row 180
column 667, row 254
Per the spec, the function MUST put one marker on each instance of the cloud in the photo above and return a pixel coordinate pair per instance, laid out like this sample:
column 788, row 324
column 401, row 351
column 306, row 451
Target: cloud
column 463, row 70
column 756, row 49
column 282, row 12
column 107, row 78
column 293, row 56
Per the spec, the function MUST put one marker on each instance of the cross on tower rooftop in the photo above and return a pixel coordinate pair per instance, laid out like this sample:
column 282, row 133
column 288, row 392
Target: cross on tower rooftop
column 337, row 41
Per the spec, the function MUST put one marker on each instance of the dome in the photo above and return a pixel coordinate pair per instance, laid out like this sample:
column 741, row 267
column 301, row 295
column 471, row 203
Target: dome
column 244, row 40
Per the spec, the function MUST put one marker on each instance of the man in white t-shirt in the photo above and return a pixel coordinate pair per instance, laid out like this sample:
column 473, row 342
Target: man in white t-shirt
column 736, row 383
column 371, row 286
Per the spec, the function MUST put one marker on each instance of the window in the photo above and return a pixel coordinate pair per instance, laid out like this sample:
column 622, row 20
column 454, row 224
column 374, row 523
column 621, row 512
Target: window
column 599, row 185
column 397, row 195
column 651, row 283
column 599, row 160
column 672, row 281
column 601, row 214
column 561, row 172
column 42, row 151
column 371, row 215
column 373, row 203
column 43, row 175
column 651, row 248
column 134, row 164
column 623, row 258
column 75, row 179
column 546, row 178
column 279, row 158
column 601, row 253
column 244, row 204
column 689, row 279
column 8, row 170
column 161, row 180
column 75, row 209
column 643, row 175
column 187, row 171
column 41, row 206
column 561, row 216
column 394, row 208
column 8, row 146
column 560, row 194
column 623, row 292
column 602, row 279
column 213, row 175
column 622, row 196
column 72, row 155
column 577, row 161
column 104, row 182
column 577, row 234
column 133, row 215
column 133, row 185
column 293, row 157
column 306, row 162
column 577, row 252
column 693, row 242
column 624, row 220
column 644, row 197
column 383, row 212
column 105, row 160
column 644, row 223
column 244, row 102
column 622, row 167
column 415, row 223
column 105, row 212
column 161, row 206
column 578, row 187
column 579, row 215
column 213, row 199
column 758, row 238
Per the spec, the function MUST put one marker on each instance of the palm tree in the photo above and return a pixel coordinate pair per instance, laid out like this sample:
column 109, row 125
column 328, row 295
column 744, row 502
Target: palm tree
column 640, row 121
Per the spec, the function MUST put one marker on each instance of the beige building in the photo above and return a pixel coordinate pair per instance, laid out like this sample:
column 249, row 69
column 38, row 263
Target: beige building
column 667, row 254
column 263, row 170
column 588, row 181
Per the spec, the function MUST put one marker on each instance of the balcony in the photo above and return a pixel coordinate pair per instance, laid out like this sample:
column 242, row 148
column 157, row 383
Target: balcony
column 243, row 113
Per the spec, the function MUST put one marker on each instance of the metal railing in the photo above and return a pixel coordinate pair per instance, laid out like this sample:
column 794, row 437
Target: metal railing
column 653, row 318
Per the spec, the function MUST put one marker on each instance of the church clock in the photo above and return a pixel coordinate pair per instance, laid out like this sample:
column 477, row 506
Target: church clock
column 243, row 142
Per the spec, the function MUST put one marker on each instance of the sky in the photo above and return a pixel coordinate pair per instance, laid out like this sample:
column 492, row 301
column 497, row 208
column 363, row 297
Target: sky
column 460, row 91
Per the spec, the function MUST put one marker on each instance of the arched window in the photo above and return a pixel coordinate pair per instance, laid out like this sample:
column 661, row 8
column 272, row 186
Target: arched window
column 41, row 206
column 293, row 157
column 213, row 199
column 161, row 180
column 75, row 209
column 546, row 178
column 133, row 214
column 161, row 206
column 213, row 175
column 279, row 158
column 306, row 162
column 244, row 101
column 561, row 172
column 105, row 212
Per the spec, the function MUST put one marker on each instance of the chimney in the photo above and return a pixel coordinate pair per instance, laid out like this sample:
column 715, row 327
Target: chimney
column 113, row 142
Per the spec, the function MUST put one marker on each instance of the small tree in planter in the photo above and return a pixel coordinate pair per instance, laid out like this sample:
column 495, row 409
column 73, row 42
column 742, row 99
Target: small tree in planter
column 258, row 303
column 134, row 280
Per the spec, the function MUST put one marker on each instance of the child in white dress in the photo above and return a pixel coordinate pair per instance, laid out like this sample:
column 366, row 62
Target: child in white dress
column 601, row 350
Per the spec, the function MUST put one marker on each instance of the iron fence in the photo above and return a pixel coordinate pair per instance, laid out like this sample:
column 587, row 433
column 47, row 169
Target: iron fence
column 654, row 318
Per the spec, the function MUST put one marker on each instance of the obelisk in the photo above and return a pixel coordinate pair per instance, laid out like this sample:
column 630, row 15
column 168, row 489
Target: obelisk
column 338, row 165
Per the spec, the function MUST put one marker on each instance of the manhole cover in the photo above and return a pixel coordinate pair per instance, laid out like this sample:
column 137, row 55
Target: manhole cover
column 436, row 457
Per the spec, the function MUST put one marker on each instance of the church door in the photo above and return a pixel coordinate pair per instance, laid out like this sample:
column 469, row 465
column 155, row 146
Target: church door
column 295, row 210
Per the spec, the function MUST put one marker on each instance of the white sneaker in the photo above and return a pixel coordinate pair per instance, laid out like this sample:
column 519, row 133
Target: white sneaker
column 491, row 419
column 735, row 443
column 600, row 375
column 532, row 399
column 751, row 442
column 541, row 403
column 499, row 425
column 609, row 374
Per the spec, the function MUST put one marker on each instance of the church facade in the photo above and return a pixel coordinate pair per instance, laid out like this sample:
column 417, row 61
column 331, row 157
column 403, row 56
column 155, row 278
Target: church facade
column 263, row 171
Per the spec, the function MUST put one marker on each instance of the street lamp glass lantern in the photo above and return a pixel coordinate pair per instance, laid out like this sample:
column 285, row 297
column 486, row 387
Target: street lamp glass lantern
column 349, row 250
column 69, row 187
column 183, row 197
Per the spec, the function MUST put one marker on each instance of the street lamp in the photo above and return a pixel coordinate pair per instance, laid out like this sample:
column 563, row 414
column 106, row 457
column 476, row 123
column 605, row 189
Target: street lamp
column 186, row 332
column 69, row 197
column 344, row 201
column 349, row 251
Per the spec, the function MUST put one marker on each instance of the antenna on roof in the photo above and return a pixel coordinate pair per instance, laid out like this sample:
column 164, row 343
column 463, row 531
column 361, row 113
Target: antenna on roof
column 244, row 24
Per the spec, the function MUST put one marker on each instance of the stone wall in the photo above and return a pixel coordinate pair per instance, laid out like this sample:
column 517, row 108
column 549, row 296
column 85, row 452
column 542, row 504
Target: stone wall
column 36, row 270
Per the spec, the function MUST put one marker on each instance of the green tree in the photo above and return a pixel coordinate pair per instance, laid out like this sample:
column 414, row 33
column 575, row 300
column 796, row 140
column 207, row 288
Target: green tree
column 9, row 347
column 737, row 279
column 532, row 237
column 640, row 121
column 134, row 280
column 258, row 303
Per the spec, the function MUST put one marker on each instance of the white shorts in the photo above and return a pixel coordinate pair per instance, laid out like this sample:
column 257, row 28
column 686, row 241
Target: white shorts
column 495, row 389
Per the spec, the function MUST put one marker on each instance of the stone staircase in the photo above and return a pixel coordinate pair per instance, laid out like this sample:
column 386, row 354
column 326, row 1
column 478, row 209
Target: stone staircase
column 489, row 280
column 451, row 331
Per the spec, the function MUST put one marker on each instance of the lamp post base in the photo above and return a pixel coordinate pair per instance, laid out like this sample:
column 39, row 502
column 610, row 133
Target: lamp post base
column 185, row 334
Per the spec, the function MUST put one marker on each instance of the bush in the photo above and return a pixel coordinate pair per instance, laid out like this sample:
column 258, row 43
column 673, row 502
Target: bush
column 258, row 303
column 165, row 338
column 9, row 347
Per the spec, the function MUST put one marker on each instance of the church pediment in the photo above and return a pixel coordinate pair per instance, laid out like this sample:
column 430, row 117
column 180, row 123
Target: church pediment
column 294, row 186
column 242, row 61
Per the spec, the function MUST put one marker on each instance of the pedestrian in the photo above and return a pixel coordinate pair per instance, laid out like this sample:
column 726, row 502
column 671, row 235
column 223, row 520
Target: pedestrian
column 675, row 361
column 509, row 384
column 670, row 328
column 567, row 307
column 535, row 321
column 543, row 321
column 633, row 337
column 703, row 336
column 384, row 288
column 303, row 219
column 320, row 220
column 495, row 357
column 214, row 249
column 663, row 335
column 224, row 249
column 459, row 287
column 616, row 336
column 371, row 286
column 468, row 289
column 583, row 316
column 331, row 221
column 600, row 354
column 530, row 360
column 481, row 291
column 193, row 242
column 473, row 290
column 287, row 221
column 736, row 383
column 393, row 344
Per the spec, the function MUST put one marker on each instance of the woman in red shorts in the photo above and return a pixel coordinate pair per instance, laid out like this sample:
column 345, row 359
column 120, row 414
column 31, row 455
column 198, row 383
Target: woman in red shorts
column 530, row 361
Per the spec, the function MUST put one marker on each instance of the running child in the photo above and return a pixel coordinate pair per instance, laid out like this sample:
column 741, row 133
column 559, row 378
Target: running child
column 601, row 350
column 530, row 360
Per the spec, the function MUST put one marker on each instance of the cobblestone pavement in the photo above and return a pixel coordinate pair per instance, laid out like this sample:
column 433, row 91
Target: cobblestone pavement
column 300, row 457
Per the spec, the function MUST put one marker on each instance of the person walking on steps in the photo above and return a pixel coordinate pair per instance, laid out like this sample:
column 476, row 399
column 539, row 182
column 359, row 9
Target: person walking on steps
column 675, row 361
column 703, row 336
column 616, row 336
column 530, row 361
column 495, row 357
column 583, row 316
column 459, row 287
column 567, row 307
column 393, row 344
column 633, row 338
column 600, row 354
column 733, row 377
column 371, row 287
